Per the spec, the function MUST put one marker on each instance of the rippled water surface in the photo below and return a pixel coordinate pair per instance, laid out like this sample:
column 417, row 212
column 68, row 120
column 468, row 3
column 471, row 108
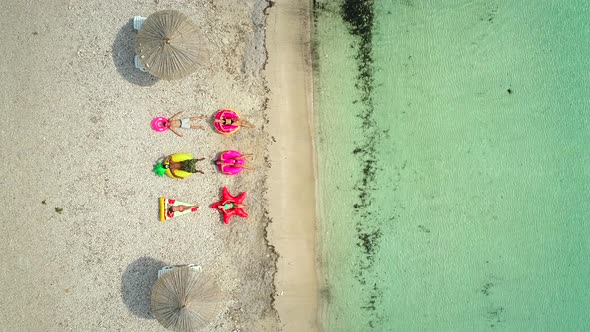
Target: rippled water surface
column 454, row 170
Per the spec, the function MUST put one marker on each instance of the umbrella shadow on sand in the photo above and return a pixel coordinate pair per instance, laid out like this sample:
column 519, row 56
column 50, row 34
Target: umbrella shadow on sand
column 136, row 285
column 123, row 54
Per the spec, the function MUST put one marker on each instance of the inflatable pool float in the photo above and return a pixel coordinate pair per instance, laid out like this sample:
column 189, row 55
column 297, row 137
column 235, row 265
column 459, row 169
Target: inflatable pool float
column 226, row 197
column 226, row 114
column 177, row 158
column 227, row 156
column 160, row 124
column 167, row 203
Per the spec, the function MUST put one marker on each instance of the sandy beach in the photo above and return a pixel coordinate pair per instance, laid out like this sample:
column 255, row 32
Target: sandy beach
column 292, row 175
column 80, row 240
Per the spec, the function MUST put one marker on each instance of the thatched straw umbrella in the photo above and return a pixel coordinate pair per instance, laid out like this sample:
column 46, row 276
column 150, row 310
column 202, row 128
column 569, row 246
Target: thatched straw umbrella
column 185, row 299
column 169, row 45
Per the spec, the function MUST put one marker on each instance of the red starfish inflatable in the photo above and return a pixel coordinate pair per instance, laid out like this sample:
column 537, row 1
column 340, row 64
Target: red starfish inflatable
column 226, row 197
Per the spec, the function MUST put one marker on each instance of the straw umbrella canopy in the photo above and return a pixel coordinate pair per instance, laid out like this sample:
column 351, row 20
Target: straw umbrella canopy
column 185, row 300
column 169, row 45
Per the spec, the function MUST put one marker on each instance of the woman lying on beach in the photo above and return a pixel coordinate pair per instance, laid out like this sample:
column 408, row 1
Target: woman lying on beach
column 183, row 123
column 233, row 162
column 229, row 205
column 189, row 165
column 234, row 122
column 180, row 208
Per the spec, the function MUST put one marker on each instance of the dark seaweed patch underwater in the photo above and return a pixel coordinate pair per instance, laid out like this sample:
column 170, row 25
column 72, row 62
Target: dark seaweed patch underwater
column 359, row 16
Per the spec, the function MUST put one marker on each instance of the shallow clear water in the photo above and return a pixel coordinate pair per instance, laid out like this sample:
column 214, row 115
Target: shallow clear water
column 454, row 171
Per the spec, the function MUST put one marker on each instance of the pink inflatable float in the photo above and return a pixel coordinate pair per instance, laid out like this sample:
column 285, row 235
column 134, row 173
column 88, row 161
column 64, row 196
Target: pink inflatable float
column 226, row 159
column 226, row 114
column 160, row 124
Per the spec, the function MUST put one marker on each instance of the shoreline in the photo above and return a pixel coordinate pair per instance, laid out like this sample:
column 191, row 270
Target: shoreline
column 292, row 176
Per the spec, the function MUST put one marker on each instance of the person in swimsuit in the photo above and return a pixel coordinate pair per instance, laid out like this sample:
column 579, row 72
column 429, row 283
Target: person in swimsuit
column 189, row 165
column 174, row 123
column 233, row 162
column 229, row 205
column 234, row 122
column 180, row 208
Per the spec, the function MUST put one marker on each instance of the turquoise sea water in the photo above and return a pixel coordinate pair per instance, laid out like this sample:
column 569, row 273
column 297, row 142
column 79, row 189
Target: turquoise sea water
column 454, row 168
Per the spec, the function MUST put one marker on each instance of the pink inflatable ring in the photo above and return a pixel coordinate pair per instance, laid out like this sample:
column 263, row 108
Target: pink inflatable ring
column 160, row 124
column 226, row 114
column 228, row 157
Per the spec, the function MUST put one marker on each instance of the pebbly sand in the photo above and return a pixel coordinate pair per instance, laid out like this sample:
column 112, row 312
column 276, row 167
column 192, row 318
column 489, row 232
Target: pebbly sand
column 80, row 238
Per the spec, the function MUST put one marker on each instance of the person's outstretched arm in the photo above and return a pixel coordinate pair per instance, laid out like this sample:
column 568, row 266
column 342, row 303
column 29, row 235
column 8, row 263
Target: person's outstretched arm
column 176, row 132
column 175, row 115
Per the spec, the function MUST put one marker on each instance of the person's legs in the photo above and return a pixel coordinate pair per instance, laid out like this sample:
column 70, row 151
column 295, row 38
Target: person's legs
column 180, row 208
column 189, row 165
column 241, row 166
column 183, row 208
column 243, row 156
column 197, row 127
column 243, row 123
